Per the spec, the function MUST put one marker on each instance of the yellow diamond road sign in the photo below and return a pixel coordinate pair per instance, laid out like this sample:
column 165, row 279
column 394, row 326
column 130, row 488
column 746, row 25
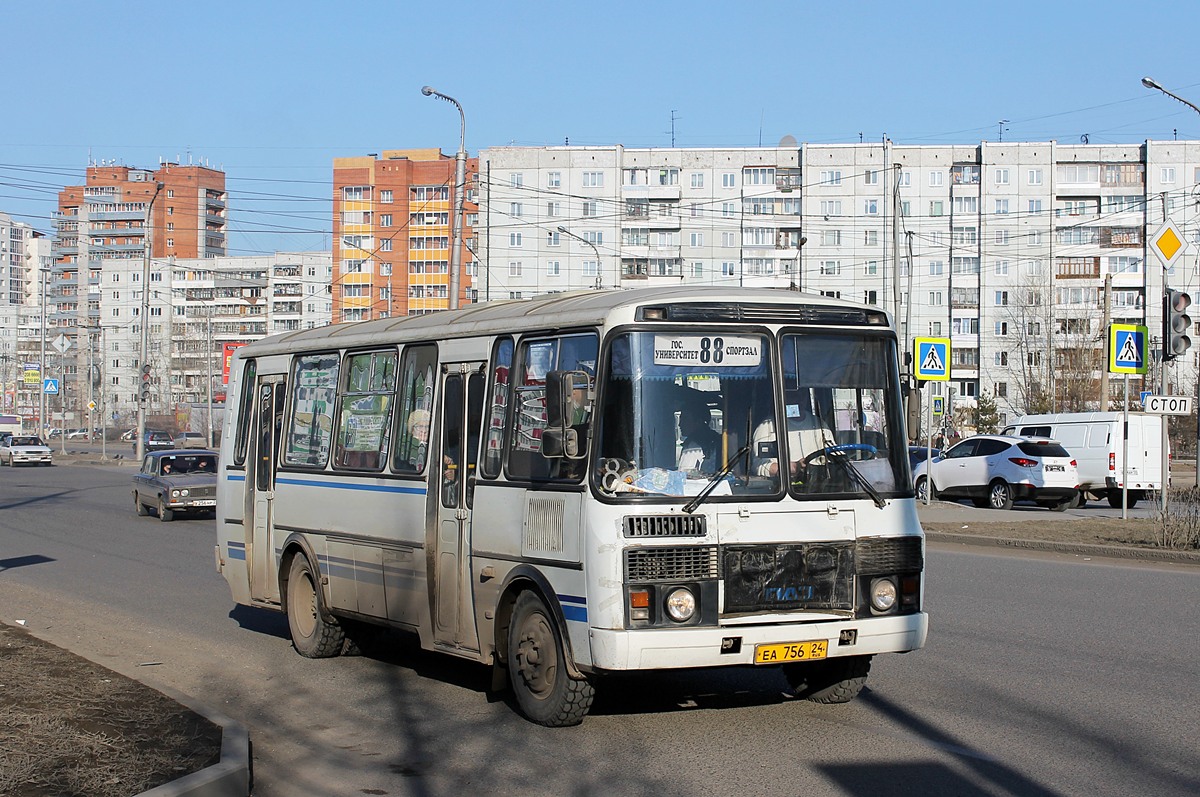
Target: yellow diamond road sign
column 1168, row 243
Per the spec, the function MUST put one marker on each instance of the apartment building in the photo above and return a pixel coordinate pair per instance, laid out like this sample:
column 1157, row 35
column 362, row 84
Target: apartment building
column 197, row 306
column 24, row 252
column 105, row 221
column 1005, row 248
column 392, row 234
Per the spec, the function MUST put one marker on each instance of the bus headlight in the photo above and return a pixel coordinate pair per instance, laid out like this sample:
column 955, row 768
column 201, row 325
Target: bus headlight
column 883, row 595
column 681, row 604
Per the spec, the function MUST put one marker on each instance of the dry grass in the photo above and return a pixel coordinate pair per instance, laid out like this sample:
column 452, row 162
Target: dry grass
column 70, row 727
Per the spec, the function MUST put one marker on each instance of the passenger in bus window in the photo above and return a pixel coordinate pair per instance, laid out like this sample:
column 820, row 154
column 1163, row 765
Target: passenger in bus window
column 806, row 434
column 418, row 438
column 700, row 442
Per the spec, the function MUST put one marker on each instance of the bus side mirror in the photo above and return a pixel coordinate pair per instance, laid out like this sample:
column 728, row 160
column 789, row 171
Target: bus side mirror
column 557, row 442
column 567, row 398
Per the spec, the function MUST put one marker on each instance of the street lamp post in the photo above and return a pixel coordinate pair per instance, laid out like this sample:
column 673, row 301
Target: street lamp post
column 599, row 270
column 42, row 272
column 144, row 356
column 1151, row 83
column 460, row 179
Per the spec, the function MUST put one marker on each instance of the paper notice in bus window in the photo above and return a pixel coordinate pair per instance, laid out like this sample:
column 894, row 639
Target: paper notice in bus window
column 711, row 350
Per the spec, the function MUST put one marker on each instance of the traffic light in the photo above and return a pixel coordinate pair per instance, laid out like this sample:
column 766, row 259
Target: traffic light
column 145, row 394
column 1176, row 324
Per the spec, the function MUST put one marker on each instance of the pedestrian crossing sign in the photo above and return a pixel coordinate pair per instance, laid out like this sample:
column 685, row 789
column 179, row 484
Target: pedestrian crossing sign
column 1126, row 349
column 933, row 359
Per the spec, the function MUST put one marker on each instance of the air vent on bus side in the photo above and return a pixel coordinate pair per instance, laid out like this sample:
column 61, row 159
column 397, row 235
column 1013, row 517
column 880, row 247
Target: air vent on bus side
column 880, row 555
column 696, row 563
column 665, row 526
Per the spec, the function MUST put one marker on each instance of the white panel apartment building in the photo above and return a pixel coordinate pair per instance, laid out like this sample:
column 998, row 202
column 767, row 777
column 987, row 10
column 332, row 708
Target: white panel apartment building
column 193, row 302
column 1010, row 243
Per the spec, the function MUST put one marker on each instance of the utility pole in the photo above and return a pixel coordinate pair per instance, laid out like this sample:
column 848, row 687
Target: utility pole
column 144, row 320
column 1104, row 332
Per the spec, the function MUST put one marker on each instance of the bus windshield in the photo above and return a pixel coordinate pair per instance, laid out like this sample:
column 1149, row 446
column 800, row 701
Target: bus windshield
column 678, row 408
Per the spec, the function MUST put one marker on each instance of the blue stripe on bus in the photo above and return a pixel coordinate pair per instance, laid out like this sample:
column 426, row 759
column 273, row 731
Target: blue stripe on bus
column 374, row 488
column 234, row 478
column 578, row 612
column 237, row 550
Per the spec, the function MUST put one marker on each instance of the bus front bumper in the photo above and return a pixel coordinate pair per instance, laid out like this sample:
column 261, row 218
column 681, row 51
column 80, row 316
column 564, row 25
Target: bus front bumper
column 677, row 648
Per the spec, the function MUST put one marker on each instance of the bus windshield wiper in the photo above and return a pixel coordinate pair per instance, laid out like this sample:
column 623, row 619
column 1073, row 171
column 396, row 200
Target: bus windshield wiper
column 691, row 506
column 862, row 481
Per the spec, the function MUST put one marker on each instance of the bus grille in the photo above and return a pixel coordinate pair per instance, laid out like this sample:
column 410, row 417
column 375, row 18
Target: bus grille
column 696, row 563
column 881, row 555
column 665, row 526
column 544, row 525
column 771, row 577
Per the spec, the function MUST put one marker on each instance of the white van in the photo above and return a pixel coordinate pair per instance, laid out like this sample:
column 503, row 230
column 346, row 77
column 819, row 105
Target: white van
column 1094, row 440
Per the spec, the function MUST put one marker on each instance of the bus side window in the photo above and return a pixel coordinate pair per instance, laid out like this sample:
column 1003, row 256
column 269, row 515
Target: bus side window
column 246, row 405
column 498, row 399
column 414, row 408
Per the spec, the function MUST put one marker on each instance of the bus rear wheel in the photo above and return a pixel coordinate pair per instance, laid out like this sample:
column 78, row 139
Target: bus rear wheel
column 830, row 681
column 545, row 693
column 313, row 636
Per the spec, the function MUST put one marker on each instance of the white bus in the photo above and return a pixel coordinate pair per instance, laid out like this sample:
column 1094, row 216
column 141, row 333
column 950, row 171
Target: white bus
column 583, row 484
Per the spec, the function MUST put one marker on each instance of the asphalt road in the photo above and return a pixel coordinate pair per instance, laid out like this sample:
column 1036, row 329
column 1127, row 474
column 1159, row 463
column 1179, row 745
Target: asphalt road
column 1044, row 675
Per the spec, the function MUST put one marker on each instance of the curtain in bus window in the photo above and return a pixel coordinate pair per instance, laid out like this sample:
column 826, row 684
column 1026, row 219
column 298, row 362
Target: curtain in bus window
column 314, row 397
column 365, row 404
column 414, row 413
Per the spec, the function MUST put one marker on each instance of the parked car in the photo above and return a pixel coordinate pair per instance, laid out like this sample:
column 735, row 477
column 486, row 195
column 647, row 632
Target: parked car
column 24, row 449
column 129, row 435
column 155, row 441
column 996, row 470
column 77, row 434
column 176, row 481
column 190, row 440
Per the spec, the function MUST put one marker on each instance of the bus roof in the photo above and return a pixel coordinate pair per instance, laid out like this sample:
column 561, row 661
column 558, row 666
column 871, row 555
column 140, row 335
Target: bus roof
column 554, row 311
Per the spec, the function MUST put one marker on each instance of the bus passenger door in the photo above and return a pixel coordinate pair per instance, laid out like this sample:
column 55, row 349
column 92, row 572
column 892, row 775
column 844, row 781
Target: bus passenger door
column 454, row 475
column 269, row 403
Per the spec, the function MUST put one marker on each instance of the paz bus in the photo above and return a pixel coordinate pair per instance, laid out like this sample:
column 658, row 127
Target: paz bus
column 514, row 482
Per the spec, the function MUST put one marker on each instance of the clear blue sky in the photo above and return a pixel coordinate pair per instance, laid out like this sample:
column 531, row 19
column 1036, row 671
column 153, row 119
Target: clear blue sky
column 271, row 91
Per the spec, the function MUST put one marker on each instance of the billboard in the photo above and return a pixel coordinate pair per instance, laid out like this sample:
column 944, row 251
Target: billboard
column 227, row 350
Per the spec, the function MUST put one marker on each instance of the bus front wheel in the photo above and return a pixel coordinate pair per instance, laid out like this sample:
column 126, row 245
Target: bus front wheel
column 830, row 681
column 313, row 636
column 545, row 693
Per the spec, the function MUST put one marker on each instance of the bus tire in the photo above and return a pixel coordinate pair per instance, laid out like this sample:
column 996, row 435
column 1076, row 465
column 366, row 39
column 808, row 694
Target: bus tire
column 313, row 635
column 544, row 692
column 831, row 681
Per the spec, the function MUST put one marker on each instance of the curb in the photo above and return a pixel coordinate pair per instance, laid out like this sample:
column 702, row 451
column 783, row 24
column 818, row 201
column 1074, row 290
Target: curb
column 229, row 777
column 1088, row 549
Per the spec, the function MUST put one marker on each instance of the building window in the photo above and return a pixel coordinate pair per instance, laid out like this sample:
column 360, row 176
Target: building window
column 871, row 207
column 514, row 268
column 553, row 179
column 1001, row 267
column 1035, row 207
column 385, row 219
column 1001, row 299
column 697, row 179
column 1035, row 176
column 935, row 298
column 831, row 207
column 871, row 237
column 1167, row 174
column 870, row 268
column 385, row 245
column 1001, row 329
column 594, row 237
column 728, row 180
column 697, row 239
column 516, row 179
column 1002, row 237
column 590, row 208
column 937, row 268
column 831, row 238
column 831, row 268
column 831, row 177
column 1002, row 177
column 871, row 177
column 593, row 179
column 727, row 269
column 553, row 238
column 937, row 207
column 553, row 209
column 385, row 196
column 515, row 239
column 1001, row 207
column 936, row 179
column 553, row 268
column 591, row 268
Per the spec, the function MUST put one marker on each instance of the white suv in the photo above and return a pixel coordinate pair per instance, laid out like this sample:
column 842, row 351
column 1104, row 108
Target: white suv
column 995, row 470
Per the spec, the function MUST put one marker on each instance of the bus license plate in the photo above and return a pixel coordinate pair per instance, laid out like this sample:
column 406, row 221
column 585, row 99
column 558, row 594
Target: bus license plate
column 791, row 651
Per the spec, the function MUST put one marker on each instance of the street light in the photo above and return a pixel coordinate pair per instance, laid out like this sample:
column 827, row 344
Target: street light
column 1151, row 83
column 599, row 270
column 42, row 272
column 144, row 356
column 460, row 178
